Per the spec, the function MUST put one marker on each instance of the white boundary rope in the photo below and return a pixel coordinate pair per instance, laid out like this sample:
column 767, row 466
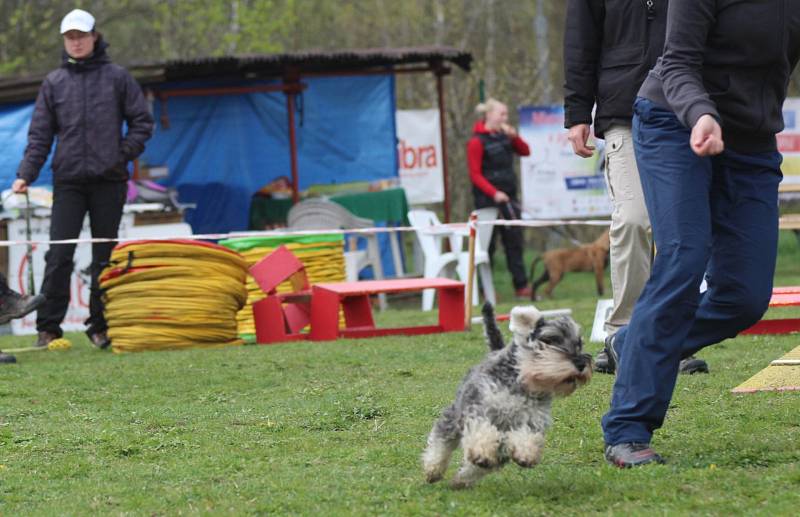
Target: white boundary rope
column 538, row 223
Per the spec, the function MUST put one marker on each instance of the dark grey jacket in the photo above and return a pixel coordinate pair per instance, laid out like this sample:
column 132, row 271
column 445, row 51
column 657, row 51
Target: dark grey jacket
column 83, row 105
column 609, row 46
column 731, row 59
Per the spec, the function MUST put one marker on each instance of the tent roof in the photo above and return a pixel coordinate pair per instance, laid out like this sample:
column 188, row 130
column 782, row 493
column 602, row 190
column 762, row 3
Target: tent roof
column 255, row 66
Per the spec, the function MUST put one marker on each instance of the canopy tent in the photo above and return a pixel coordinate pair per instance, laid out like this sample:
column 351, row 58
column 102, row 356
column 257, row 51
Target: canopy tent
column 226, row 126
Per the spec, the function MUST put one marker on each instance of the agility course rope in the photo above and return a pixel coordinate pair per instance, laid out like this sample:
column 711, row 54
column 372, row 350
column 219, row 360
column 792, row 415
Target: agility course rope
column 321, row 254
column 163, row 295
column 59, row 344
column 530, row 223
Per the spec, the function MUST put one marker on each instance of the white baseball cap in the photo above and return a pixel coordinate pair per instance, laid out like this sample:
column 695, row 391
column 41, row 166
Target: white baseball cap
column 77, row 20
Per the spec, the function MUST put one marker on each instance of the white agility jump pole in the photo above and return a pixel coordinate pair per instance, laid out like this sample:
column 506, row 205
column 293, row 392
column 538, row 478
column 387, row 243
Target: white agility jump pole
column 473, row 226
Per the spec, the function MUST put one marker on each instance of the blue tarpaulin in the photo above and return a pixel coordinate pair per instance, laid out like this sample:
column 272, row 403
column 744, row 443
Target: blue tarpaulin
column 221, row 149
column 14, row 122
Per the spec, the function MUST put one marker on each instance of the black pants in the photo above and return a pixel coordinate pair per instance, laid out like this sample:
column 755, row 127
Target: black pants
column 103, row 201
column 512, row 243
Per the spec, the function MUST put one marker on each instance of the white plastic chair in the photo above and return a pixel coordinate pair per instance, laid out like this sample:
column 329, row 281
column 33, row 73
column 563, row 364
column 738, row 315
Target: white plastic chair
column 436, row 262
column 483, row 267
column 323, row 214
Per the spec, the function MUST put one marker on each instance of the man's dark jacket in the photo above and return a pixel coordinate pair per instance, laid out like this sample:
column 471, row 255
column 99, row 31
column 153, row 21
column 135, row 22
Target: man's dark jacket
column 609, row 46
column 83, row 104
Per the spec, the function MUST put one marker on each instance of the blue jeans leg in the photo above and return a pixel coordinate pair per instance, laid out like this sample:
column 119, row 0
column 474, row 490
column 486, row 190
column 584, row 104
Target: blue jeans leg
column 740, row 272
column 715, row 213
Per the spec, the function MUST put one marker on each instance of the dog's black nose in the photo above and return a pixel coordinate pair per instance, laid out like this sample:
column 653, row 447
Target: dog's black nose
column 580, row 362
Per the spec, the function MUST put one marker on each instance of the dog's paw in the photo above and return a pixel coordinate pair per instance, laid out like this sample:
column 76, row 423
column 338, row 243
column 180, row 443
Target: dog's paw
column 526, row 463
column 482, row 460
column 433, row 476
column 526, row 448
column 460, row 484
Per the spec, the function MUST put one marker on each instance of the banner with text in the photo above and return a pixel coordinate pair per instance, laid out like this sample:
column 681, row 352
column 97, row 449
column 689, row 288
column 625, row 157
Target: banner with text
column 555, row 182
column 419, row 155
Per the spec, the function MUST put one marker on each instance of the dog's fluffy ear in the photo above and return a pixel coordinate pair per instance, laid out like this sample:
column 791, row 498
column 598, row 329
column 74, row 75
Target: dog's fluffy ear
column 523, row 321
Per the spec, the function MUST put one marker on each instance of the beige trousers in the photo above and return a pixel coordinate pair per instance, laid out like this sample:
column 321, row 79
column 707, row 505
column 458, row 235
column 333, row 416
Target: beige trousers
column 630, row 227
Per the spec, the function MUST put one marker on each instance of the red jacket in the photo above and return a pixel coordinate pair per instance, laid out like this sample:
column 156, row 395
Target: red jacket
column 475, row 158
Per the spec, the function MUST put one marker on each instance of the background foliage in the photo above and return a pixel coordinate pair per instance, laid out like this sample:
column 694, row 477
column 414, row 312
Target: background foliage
column 516, row 45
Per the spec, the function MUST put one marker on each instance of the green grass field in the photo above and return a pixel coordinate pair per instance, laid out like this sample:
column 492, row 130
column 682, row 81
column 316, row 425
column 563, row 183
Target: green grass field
column 338, row 428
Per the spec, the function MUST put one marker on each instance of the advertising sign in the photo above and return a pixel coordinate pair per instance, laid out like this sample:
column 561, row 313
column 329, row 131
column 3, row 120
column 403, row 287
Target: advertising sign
column 556, row 183
column 419, row 155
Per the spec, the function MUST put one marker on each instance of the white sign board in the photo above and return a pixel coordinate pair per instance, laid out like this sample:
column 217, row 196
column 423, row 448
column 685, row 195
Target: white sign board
column 78, row 310
column 556, row 183
column 789, row 141
column 601, row 314
column 419, row 155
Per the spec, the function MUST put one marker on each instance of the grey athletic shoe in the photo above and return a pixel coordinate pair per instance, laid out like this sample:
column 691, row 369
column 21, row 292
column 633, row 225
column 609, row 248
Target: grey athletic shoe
column 7, row 358
column 626, row 455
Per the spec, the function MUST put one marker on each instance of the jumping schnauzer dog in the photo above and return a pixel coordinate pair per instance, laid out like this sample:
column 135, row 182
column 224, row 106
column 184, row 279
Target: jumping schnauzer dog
column 502, row 407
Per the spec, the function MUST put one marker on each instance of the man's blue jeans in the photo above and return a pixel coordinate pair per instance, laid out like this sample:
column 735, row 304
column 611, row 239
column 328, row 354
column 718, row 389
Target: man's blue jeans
column 713, row 215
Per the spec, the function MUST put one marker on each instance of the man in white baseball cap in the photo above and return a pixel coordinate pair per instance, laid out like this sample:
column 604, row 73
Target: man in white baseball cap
column 77, row 27
column 96, row 114
column 77, row 20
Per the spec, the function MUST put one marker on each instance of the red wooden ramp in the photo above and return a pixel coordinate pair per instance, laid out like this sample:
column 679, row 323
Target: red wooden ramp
column 354, row 299
column 781, row 297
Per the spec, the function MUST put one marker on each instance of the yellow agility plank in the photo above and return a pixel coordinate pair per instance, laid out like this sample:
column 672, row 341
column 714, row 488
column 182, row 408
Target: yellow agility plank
column 781, row 375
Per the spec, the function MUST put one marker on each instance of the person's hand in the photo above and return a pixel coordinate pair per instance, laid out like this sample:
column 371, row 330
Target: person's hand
column 578, row 136
column 509, row 130
column 501, row 197
column 706, row 139
column 20, row 186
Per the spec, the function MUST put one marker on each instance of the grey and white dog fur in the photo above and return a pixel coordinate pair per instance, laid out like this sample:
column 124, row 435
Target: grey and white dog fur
column 502, row 407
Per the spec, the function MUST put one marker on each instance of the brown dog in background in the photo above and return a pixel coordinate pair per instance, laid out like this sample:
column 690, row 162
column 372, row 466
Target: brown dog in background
column 588, row 257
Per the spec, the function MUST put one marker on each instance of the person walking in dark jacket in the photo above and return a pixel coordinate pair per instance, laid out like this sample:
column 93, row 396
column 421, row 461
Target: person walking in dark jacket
column 490, row 156
column 83, row 104
column 704, row 131
column 609, row 46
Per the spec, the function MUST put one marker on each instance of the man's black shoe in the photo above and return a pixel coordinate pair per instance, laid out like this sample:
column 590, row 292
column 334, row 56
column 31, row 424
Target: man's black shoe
column 692, row 365
column 608, row 359
column 14, row 305
column 99, row 339
column 7, row 358
column 601, row 364
column 612, row 357
column 625, row 455
column 44, row 338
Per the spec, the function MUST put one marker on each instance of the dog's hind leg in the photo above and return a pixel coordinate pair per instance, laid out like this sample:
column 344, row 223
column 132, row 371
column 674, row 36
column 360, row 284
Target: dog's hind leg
column 525, row 446
column 554, row 280
column 442, row 441
column 599, row 273
column 539, row 281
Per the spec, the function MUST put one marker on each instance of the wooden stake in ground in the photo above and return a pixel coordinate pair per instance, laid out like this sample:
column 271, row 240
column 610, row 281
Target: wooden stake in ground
column 473, row 227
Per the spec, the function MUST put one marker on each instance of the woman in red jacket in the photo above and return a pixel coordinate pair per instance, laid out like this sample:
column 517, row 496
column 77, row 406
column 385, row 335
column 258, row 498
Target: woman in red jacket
column 490, row 155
